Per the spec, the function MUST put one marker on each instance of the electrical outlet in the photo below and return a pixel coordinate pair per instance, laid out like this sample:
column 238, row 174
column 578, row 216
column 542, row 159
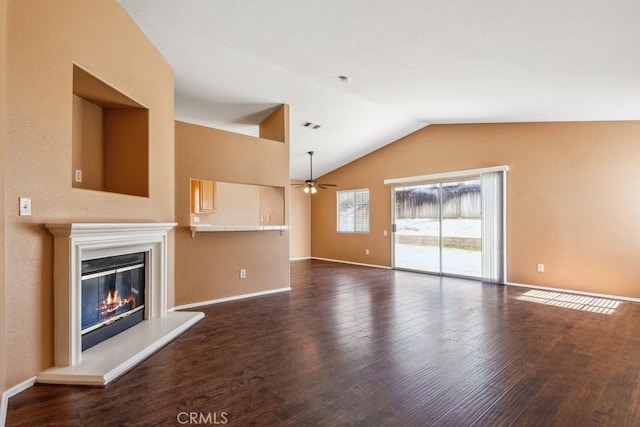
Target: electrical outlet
column 78, row 175
column 366, row 251
column 243, row 273
column 25, row 206
column 540, row 268
column 384, row 233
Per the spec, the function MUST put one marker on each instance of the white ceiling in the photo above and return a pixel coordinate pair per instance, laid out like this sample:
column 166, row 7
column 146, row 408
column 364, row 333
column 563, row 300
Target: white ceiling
column 411, row 63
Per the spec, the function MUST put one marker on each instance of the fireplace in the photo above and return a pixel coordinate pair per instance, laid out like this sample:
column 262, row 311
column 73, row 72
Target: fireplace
column 110, row 300
column 112, row 296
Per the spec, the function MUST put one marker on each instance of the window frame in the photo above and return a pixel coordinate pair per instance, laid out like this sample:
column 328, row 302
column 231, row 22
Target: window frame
column 354, row 219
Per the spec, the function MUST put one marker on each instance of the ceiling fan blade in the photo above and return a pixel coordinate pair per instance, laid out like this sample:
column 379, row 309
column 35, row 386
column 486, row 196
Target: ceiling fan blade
column 327, row 185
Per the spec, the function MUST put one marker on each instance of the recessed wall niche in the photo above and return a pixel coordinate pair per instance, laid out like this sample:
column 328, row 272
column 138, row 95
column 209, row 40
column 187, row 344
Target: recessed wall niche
column 110, row 142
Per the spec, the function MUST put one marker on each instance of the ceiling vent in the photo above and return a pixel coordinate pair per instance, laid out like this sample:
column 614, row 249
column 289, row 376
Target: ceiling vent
column 311, row 125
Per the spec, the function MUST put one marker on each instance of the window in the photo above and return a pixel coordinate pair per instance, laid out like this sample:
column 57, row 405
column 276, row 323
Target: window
column 353, row 211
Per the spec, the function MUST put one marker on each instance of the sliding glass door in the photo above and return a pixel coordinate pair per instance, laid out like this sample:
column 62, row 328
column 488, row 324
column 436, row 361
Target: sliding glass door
column 461, row 228
column 417, row 228
column 437, row 228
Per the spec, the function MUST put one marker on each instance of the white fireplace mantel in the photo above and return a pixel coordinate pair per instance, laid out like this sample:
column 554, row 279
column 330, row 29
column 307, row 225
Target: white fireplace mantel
column 76, row 242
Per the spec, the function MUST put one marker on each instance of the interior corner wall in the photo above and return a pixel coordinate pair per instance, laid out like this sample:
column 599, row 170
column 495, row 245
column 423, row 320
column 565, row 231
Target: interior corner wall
column 4, row 384
column 276, row 126
column 300, row 223
column 207, row 266
column 44, row 39
column 570, row 199
column 87, row 144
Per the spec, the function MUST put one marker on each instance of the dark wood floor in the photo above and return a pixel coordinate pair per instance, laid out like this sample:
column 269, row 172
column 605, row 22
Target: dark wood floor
column 354, row 345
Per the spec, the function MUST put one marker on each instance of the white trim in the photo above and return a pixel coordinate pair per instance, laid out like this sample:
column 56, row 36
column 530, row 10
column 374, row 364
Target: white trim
column 76, row 242
column 350, row 190
column 505, row 270
column 9, row 393
column 300, row 258
column 392, row 231
column 233, row 298
column 106, row 361
column 355, row 223
column 446, row 175
column 102, row 363
column 573, row 291
column 208, row 228
column 352, row 263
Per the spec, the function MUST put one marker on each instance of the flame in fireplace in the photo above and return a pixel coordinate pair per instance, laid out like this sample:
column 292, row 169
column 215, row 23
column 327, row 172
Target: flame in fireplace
column 113, row 302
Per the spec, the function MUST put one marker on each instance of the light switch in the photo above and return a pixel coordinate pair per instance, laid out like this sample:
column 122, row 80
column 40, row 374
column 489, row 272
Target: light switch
column 25, row 206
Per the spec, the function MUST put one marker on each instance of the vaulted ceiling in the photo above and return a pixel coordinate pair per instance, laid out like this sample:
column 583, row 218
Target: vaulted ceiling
column 409, row 63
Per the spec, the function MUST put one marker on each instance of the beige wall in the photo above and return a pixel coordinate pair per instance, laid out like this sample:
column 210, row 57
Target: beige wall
column 572, row 201
column 276, row 126
column 126, row 155
column 300, row 223
column 236, row 204
column 87, row 142
column 4, row 384
column 207, row 267
column 45, row 39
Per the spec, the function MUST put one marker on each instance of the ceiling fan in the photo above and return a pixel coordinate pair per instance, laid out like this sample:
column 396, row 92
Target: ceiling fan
column 311, row 185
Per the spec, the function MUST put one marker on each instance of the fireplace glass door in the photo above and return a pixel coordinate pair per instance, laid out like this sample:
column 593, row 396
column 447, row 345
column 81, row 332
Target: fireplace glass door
column 112, row 296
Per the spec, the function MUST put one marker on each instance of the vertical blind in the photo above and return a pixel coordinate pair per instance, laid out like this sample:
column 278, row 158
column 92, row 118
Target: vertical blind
column 493, row 224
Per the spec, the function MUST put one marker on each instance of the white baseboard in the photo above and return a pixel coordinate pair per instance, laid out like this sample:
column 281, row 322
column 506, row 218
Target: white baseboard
column 573, row 291
column 227, row 299
column 352, row 263
column 18, row 388
column 304, row 258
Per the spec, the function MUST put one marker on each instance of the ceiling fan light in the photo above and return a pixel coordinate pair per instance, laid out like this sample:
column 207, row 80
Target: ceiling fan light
column 306, row 190
column 314, row 190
